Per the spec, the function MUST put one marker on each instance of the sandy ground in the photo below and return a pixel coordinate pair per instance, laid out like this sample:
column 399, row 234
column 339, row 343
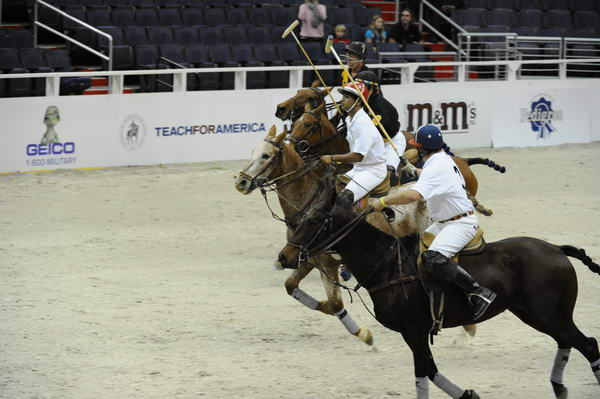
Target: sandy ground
column 157, row 282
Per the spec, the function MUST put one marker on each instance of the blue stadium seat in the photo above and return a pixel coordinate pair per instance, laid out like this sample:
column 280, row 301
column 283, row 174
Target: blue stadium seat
column 10, row 63
column 136, row 35
column 363, row 16
column 276, row 32
column 92, row 4
column 259, row 16
column 194, row 3
column 211, row 35
column 22, row 38
column 530, row 17
column 558, row 5
column 99, row 17
column 119, row 3
column 282, row 16
column 197, row 55
column 476, row 4
column 160, row 35
column 193, row 17
column 258, row 34
column 215, row 17
column 235, row 34
column 169, row 3
column 169, row 17
column 530, row 5
column 586, row 19
column 316, row 52
column 585, row 5
column 34, row 61
column 146, row 17
column 186, row 35
column 558, row 19
column 237, row 16
column 75, row 12
column 221, row 55
column 239, row 3
column 356, row 33
column 500, row 17
column 289, row 53
column 468, row 17
column 143, row 3
column 123, row 17
column 504, row 4
column 4, row 39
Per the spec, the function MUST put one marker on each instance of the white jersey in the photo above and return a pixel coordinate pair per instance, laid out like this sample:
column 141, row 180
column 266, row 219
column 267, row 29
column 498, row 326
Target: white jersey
column 364, row 139
column 442, row 185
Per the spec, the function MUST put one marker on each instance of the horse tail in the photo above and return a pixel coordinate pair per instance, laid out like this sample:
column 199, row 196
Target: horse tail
column 488, row 162
column 580, row 254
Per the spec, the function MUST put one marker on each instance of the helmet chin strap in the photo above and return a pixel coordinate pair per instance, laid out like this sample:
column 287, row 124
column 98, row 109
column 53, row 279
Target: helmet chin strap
column 353, row 105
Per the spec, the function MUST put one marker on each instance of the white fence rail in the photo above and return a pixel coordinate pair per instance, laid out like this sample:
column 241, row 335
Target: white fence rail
column 407, row 71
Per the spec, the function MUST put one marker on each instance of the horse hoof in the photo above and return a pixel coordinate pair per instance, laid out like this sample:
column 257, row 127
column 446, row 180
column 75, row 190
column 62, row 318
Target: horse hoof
column 470, row 394
column 560, row 391
column 471, row 329
column 488, row 212
column 365, row 335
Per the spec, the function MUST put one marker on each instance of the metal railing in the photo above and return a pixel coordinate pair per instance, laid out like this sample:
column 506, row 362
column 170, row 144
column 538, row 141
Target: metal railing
column 425, row 4
column 407, row 72
column 37, row 24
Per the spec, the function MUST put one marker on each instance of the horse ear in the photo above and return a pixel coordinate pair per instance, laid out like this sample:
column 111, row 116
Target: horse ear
column 320, row 108
column 272, row 131
column 308, row 106
column 315, row 84
column 279, row 139
column 326, row 91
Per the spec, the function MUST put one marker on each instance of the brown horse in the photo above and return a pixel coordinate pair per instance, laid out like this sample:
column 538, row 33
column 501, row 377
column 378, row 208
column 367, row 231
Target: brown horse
column 309, row 131
column 293, row 107
column 276, row 161
column 534, row 280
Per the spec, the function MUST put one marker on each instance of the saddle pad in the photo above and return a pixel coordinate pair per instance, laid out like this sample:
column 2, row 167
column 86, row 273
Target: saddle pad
column 381, row 190
column 475, row 246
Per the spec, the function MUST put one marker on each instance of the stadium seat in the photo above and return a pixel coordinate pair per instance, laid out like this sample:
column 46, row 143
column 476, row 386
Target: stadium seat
column 259, row 16
column 476, row 4
column 175, row 53
column 356, row 33
column 119, row 3
column 288, row 52
column 237, row 16
column 468, row 17
column 282, row 16
column 558, row 19
column 99, row 17
column 258, row 34
column 529, row 5
column 235, row 35
column 239, row 3
column 92, row 4
column 33, row 60
column 530, row 17
column 186, row 35
column 169, row 17
column 136, row 35
column 10, row 63
column 559, row 5
column 363, row 16
column 123, row 17
column 143, row 3
column 146, row 17
column 586, row 19
column 211, row 35
column 276, row 32
column 316, row 52
column 169, row 3
column 20, row 38
column 75, row 12
column 215, row 17
column 499, row 17
column 193, row 17
column 221, row 55
column 160, row 35
column 585, row 5
column 194, row 3
column 4, row 39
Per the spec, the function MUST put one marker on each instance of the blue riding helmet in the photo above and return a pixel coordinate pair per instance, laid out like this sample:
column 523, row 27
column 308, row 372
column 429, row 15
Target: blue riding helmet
column 428, row 137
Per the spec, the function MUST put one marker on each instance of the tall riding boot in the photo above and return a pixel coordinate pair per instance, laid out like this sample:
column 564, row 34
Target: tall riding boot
column 479, row 297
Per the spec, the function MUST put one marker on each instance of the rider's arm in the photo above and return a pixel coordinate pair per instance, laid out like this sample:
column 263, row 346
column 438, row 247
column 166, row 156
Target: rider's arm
column 401, row 198
column 350, row 157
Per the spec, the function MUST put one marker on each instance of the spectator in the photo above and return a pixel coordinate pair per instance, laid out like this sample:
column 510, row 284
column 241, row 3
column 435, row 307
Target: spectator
column 312, row 15
column 340, row 35
column 376, row 32
column 405, row 31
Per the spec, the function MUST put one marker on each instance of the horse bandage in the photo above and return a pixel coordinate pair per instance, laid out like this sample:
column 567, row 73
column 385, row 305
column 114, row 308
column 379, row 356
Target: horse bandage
column 347, row 321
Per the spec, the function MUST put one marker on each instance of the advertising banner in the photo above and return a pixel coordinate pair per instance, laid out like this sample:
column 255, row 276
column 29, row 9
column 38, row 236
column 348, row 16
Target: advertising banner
column 538, row 117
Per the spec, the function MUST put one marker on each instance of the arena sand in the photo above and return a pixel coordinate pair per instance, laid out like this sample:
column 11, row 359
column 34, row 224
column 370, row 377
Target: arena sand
column 157, row 282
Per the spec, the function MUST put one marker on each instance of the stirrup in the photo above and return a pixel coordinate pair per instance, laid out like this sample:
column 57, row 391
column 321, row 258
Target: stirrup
column 479, row 308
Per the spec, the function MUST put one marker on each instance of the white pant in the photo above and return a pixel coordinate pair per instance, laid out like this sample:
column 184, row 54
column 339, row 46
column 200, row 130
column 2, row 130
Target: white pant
column 451, row 237
column 365, row 178
column 391, row 158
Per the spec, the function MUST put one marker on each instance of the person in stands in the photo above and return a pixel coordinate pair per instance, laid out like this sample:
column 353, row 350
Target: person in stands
column 341, row 35
column 405, row 31
column 312, row 15
column 376, row 32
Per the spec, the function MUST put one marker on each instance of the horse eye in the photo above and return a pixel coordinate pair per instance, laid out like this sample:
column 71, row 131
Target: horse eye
column 265, row 156
column 307, row 125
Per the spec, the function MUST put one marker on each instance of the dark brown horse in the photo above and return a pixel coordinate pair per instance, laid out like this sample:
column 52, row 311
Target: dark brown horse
column 534, row 280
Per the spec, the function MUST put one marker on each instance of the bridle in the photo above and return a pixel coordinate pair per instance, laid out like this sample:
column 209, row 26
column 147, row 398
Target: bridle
column 252, row 179
column 301, row 144
column 295, row 114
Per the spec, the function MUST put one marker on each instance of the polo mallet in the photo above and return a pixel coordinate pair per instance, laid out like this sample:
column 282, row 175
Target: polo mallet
column 290, row 29
column 329, row 49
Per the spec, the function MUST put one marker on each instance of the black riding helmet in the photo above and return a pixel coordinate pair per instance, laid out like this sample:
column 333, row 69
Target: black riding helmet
column 367, row 77
column 356, row 49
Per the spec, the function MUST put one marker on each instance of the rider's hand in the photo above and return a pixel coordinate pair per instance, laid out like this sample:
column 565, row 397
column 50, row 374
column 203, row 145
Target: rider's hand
column 376, row 204
column 327, row 159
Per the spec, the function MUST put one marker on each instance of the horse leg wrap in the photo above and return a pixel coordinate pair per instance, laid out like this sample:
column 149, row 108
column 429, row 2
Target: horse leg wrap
column 596, row 369
column 447, row 386
column 347, row 321
column 422, row 388
column 305, row 299
column 560, row 362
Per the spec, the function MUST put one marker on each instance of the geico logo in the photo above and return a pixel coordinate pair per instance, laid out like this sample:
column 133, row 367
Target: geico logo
column 51, row 149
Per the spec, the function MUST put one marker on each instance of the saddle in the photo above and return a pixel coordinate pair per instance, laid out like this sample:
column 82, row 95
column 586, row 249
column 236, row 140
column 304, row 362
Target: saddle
column 473, row 247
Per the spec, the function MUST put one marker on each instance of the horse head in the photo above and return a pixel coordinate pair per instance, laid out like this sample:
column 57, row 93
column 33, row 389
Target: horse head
column 305, row 128
column 292, row 107
column 313, row 226
column 264, row 163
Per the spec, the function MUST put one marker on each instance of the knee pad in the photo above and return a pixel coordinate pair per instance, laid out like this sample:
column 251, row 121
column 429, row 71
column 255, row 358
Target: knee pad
column 345, row 199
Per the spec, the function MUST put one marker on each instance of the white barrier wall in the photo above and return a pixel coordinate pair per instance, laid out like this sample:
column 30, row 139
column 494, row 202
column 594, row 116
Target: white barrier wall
column 143, row 129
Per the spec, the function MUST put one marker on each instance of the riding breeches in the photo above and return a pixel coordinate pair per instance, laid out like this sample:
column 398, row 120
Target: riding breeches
column 364, row 178
column 452, row 237
column 391, row 157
